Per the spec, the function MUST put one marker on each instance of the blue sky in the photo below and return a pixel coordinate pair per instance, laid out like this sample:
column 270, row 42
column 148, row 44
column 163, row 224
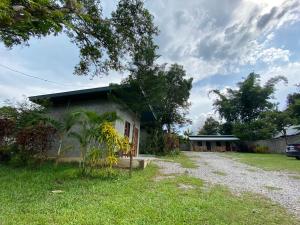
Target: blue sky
column 218, row 42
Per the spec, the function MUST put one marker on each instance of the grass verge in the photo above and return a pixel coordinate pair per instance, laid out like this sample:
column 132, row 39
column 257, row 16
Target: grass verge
column 181, row 158
column 26, row 198
column 268, row 161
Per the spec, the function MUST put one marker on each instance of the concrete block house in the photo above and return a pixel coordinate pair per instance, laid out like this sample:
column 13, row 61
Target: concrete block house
column 212, row 143
column 98, row 100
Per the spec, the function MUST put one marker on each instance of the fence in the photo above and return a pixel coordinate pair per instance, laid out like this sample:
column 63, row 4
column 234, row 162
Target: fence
column 277, row 145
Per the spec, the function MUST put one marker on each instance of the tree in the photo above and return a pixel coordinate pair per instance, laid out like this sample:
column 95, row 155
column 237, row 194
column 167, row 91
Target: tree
column 241, row 108
column 99, row 140
column 210, row 127
column 281, row 120
column 175, row 95
column 105, row 42
column 165, row 91
column 294, row 106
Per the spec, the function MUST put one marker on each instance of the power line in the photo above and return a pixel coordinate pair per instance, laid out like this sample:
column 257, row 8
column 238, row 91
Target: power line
column 31, row 76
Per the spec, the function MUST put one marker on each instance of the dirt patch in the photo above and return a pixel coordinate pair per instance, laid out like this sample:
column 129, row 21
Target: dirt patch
column 186, row 187
column 159, row 178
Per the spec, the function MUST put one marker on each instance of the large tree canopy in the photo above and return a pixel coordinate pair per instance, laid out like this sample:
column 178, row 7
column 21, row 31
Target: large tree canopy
column 242, row 108
column 166, row 91
column 105, row 42
column 294, row 106
column 210, row 127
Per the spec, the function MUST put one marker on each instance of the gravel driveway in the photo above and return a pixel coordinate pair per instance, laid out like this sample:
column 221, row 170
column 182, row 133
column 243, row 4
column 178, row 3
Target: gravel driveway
column 214, row 168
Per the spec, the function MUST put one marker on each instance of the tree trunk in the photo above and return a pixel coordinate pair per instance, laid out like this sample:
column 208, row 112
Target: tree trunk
column 59, row 151
column 130, row 154
column 169, row 128
column 285, row 137
column 130, row 163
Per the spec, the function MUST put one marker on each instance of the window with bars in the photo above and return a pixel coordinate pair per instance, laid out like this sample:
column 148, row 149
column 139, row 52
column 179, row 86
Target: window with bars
column 127, row 129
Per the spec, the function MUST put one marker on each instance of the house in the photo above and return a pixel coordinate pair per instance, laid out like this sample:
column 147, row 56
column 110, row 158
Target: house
column 100, row 101
column 212, row 143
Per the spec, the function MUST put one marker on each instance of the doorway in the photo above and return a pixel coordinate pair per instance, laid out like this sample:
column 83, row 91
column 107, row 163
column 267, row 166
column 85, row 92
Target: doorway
column 208, row 146
column 228, row 146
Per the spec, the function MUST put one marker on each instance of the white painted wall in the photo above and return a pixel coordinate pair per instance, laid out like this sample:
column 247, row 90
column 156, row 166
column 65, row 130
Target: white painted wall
column 129, row 116
column 100, row 106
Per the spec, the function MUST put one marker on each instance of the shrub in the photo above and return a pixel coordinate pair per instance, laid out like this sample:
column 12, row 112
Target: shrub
column 153, row 143
column 174, row 152
column 261, row 149
column 171, row 142
column 245, row 147
column 33, row 142
column 7, row 127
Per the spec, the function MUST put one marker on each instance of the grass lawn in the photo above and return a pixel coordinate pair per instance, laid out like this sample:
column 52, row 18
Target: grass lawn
column 184, row 160
column 26, row 198
column 268, row 161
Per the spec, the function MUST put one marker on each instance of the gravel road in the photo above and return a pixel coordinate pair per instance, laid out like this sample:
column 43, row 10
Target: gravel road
column 281, row 187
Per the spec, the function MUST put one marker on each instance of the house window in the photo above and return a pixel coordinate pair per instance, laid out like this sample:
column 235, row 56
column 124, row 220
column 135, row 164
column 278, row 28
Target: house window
column 199, row 143
column 127, row 129
column 218, row 144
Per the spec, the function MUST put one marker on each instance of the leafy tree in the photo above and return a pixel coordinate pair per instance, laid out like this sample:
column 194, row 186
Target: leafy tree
column 175, row 95
column 294, row 106
column 64, row 126
column 241, row 108
column 98, row 139
column 187, row 133
column 29, row 133
column 281, row 120
column 165, row 91
column 105, row 42
column 210, row 127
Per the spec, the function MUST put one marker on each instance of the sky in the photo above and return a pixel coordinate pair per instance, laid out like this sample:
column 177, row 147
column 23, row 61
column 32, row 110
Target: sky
column 218, row 42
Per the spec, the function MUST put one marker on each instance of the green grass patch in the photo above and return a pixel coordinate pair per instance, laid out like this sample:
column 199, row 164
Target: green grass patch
column 219, row 173
column 272, row 188
column 181, row 158
column 295, row 177
column 268, row 161
column 26, row 198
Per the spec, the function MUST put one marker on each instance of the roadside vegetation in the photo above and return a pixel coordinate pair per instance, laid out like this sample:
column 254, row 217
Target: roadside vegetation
column 51, row 195
column 268, row 161
column 179, row 157
column 249, row 112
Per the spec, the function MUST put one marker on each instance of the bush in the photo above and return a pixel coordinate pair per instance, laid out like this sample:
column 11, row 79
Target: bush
column 244, row 147
column 7, row 128
column 171, row 142
column 33, row 142
column 261, row 149
column 153, row 143
column 174, row 152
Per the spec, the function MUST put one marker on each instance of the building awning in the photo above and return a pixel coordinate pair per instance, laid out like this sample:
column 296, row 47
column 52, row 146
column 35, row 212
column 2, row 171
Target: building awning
column 213, row 138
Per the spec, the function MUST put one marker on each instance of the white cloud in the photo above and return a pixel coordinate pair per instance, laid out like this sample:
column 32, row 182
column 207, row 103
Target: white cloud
column 210, row 37
column 201, row 106
column 207, row 37
column 291, row 71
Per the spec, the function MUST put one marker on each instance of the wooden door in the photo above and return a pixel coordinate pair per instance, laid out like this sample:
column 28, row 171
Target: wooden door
column 135, row 141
